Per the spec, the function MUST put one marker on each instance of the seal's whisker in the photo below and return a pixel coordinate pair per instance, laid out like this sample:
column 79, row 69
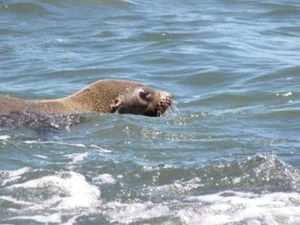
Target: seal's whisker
column 172, row 108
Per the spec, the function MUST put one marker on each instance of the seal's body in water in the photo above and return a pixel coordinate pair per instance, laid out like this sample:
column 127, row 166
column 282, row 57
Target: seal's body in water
column 102, row 96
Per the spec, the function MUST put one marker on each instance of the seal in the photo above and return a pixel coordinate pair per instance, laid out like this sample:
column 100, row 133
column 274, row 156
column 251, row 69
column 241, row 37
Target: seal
column 102, row 96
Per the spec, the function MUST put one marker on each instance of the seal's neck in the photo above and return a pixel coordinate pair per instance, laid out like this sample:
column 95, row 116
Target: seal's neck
column 98, row 96
column 90, row 98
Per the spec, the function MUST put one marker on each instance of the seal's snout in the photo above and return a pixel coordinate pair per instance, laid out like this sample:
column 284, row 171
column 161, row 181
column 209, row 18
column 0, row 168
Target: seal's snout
column 166, row 95
column 166, row 102
column 167, row 98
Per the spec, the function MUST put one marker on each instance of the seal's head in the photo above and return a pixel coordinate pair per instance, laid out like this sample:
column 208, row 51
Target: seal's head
column 142, row 100
column 124, row 97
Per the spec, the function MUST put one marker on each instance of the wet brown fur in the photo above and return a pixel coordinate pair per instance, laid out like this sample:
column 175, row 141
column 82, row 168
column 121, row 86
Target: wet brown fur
column 99, row 97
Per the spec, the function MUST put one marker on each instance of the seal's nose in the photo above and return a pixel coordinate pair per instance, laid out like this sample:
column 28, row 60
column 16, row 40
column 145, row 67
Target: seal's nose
column 166, row 99
column 166, row 95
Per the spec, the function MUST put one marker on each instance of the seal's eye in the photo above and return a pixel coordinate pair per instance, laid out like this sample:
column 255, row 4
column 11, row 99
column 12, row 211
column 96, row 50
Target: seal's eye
column 145, row 95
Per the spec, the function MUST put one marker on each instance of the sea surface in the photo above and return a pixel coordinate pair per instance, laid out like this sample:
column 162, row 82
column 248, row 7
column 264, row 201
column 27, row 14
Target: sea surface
column 230, row 155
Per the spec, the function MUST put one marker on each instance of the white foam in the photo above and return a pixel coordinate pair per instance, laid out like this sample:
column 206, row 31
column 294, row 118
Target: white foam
column 77, row 157
column 130, row 2
column 41, row 156
column 56, row 40
column 105, row 179
column 19, row 172
column 68, row 144
column 100, row 148
column 213, row 209
column 56, row 143
column 71, row 221
column 15, row 201
column 52, row 218
column 178, row 187
column 4, row 137
column 243, row 208
column 70, row 195
column 287, row 94
column 72, row 189
column 14, row 175
column 134, row 212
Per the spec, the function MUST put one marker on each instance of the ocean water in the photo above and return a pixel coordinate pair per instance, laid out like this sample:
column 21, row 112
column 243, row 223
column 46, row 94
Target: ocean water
column 230, row 155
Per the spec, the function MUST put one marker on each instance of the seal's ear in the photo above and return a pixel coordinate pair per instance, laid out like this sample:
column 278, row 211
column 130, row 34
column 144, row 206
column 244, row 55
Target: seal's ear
column 115, row 105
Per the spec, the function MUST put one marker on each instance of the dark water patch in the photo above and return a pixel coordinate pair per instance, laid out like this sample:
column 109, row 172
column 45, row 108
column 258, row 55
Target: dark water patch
column 38, row 122
column 162, row 61
column 24, row 8
column 13, row 31
column 158, row 37
column 129, row 18
column 280, row 114
column 88, row 72
column 289, row 73
column 280, row 10
column 123, row 4
column 293, row 31
column 283, row 80
column 7, row 50
column 208, row 79
column 234, row 99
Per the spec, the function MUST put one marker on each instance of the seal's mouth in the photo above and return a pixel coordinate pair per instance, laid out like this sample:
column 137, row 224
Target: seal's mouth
column 166, row 106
